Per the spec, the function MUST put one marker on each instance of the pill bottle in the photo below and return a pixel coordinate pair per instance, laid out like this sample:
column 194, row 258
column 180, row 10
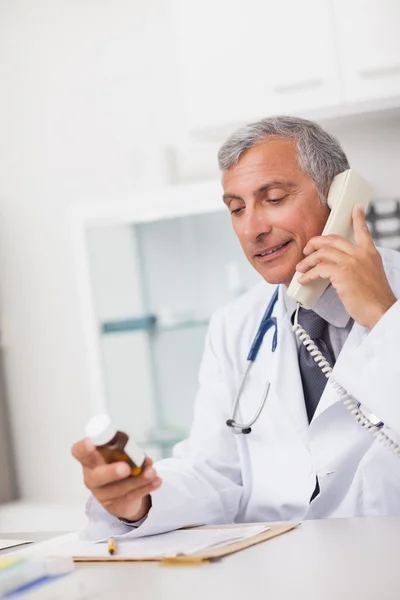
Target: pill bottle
column 111, row 443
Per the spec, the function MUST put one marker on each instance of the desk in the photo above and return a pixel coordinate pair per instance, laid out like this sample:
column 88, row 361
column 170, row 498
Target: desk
column 39, row 536
column 335, row 559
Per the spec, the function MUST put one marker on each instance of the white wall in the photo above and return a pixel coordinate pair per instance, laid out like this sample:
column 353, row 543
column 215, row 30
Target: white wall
column 85, row 108
column 373, row 148
column 372, row 143
column 89, row 102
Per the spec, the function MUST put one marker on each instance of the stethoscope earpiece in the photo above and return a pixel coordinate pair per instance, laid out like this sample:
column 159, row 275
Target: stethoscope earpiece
column 247, row 430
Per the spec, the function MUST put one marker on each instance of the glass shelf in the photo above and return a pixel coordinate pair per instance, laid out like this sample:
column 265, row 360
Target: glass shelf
column 155, row 286
column 160, row 443
column 149, row 324
column 164, row 439
column 163, row 442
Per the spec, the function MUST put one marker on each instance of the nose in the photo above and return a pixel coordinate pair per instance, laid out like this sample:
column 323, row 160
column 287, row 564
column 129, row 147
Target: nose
column 256, row 223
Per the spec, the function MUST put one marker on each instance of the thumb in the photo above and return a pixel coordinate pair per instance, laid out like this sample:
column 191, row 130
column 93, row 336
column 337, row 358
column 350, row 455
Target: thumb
column 85, row 452
column 362, row 236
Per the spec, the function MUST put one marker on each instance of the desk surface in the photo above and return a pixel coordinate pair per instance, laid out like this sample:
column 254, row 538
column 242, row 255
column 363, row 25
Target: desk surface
column 328, row 559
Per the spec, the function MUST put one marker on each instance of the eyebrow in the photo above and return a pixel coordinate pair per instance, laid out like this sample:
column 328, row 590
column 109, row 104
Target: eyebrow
column 263, row 188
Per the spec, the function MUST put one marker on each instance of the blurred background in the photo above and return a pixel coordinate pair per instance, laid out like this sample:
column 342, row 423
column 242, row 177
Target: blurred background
column 115, row 247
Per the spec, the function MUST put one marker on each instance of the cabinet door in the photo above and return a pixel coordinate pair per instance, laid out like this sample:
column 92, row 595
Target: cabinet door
column 368, row 40
column 302, row 61
column 242, row 60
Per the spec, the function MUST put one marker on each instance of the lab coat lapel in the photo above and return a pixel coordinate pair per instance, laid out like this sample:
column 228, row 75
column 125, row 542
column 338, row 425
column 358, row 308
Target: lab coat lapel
column 285, row 403
column 330, row 395
column 287, row 379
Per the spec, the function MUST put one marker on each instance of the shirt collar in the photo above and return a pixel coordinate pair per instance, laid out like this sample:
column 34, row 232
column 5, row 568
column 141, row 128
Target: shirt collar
column 329, row 307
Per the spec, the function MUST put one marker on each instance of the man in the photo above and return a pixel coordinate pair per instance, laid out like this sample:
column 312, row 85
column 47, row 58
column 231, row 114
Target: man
column 306, row 456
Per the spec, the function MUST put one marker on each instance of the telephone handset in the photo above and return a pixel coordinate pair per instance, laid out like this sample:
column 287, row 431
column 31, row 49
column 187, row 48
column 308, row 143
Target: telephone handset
column 347, row 189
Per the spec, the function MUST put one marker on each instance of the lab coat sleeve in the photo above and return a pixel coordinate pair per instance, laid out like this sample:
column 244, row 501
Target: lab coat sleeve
column 101, row 524
column 201, row 482
column 372, row 373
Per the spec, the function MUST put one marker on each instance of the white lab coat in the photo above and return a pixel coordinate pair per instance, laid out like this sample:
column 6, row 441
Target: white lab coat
column 269, row 475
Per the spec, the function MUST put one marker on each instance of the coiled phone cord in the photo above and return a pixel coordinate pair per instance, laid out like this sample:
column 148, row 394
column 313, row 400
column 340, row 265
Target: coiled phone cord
column 350, row 403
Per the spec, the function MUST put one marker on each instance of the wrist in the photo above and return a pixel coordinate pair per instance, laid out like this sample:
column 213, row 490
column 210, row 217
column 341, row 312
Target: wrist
column 379, row 311
column 143, row 511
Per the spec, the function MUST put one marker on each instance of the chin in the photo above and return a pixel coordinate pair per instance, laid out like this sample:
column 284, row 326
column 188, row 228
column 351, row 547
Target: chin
column 277, row 276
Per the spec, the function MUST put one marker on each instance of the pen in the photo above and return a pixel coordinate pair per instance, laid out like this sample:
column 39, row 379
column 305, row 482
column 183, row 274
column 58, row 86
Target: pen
column 112, row 547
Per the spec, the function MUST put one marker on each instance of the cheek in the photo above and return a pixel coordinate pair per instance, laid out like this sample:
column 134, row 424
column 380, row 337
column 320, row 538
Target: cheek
column 316, row 226
column 307, row 226
column 293, row 223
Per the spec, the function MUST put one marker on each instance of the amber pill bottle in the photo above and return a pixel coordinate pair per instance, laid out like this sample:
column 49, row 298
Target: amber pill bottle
column 111, row 443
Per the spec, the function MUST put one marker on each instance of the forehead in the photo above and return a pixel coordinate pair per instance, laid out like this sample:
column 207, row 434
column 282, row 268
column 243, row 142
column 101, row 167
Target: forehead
column 275, row 158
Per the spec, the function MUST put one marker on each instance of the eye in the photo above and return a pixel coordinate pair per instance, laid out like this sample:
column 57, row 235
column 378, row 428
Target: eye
column 275, row 200
column 236, row 211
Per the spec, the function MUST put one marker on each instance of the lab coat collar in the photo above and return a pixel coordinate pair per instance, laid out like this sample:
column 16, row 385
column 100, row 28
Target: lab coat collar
column 330, row 308
column 330, row 395
column 287, row 377
column 286, row 397
column 285, row 400
column 290, row 384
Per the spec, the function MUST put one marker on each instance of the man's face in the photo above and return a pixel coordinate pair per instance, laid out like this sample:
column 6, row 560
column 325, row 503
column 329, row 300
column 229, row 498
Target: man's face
column 275, row 208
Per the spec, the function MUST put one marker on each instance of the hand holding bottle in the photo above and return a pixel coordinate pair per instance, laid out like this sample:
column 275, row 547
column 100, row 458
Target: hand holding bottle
column 121, row 483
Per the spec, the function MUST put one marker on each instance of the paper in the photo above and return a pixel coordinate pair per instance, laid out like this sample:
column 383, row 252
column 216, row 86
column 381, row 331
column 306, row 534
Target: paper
column 174, row 543
column 45, row 548
column 4, row 543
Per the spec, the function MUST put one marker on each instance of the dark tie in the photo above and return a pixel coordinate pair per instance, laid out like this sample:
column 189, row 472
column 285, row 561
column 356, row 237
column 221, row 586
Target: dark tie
column 313, row 379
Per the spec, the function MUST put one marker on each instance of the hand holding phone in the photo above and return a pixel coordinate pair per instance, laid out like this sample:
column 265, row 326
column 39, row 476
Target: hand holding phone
column 347, row 190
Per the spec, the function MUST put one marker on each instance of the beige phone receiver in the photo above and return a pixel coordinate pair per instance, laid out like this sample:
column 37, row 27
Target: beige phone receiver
column 347, row 189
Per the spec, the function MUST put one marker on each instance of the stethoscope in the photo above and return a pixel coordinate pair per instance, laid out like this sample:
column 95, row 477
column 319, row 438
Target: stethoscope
column 267, row 322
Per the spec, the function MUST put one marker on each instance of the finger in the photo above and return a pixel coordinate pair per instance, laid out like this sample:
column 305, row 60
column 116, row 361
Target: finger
column 96, row 477
column 140, row 493
column 109, row 473
column 327, row 254
column 85, row 452
column 362, row 235
column 333, row 240
column 322, row 270
column 122, row 488
column 148, row 463
column 121, row 506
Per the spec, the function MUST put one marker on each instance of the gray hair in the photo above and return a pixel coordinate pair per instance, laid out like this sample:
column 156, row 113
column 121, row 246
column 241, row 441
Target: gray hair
column 319, row 153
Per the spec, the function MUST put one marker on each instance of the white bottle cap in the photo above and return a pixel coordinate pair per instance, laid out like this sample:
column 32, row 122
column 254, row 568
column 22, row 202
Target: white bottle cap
column 100, row 429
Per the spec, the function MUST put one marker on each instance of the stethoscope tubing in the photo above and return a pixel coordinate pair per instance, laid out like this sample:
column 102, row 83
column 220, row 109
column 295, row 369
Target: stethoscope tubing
column 267, row 322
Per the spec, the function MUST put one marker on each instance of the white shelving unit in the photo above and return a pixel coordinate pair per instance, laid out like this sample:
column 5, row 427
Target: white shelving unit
column 241, row 61
column 149, row 281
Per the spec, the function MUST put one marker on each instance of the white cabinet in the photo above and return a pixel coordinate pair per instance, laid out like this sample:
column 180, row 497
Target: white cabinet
column 241, row 60
column 368, row 41
column 300, row 50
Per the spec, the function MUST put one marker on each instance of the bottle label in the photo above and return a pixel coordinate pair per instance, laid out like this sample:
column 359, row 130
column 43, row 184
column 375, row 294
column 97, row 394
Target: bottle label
column 136, row 454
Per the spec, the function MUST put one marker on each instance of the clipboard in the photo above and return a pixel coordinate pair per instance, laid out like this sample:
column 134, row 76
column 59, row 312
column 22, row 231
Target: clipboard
column 203, row 556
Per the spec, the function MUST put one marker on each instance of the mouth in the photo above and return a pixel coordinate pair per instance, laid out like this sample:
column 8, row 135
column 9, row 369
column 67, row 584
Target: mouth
column 269, row 254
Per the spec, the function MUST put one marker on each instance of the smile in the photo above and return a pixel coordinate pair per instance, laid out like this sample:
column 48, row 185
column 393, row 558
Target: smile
column 272, row 253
